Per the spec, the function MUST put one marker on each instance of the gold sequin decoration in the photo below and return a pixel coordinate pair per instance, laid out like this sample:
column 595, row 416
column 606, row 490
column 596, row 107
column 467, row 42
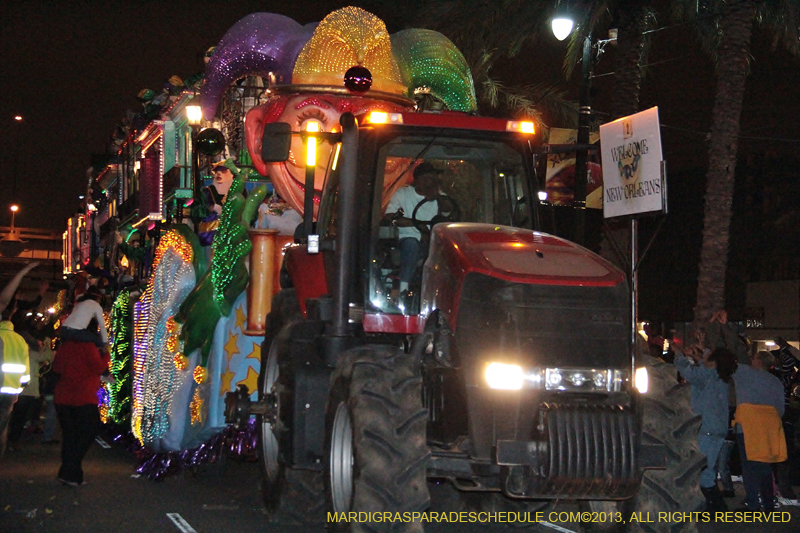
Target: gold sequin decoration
column 172, row 343
column 199, row 374
column 346, row 38
column 196, row 408
column 175, row 240
column 181, row 361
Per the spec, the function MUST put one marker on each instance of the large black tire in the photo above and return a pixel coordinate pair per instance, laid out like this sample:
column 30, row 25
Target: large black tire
column 377, row 392
column 290, row 495
column 669, row 420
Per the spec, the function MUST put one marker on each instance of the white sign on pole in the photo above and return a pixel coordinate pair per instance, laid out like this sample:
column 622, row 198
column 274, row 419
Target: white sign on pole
column 633, row 181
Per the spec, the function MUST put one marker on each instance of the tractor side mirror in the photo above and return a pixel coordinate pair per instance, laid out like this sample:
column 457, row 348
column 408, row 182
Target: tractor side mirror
column 275, row 142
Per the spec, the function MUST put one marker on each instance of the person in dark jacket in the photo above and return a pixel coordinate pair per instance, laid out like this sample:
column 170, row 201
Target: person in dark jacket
column 80, row 365
column 709, row 377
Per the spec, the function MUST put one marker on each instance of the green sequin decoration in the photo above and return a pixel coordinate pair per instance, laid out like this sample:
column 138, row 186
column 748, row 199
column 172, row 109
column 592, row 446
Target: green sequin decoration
column 430, row 62
column 119, row 393
column 217, row 290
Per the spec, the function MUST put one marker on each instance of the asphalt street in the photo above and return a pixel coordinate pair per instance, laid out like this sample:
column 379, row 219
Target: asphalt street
column 214, row 498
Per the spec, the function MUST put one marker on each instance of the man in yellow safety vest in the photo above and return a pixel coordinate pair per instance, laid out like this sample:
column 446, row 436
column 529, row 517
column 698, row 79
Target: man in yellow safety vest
column 15, row 371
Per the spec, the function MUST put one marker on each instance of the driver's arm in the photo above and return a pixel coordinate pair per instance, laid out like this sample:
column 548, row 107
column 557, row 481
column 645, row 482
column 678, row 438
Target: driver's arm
column 391, row 219
column 395, row 214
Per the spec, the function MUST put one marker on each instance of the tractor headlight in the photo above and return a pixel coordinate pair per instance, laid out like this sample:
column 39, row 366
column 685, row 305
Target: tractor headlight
column 640, row 380
column 503, row 376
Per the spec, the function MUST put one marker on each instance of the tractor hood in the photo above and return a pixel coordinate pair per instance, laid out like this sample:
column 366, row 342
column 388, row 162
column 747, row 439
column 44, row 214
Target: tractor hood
column 512, row 254
column 561, row 303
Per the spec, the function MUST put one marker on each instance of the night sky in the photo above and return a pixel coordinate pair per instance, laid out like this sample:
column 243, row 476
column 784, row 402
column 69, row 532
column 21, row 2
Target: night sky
column 71, row 69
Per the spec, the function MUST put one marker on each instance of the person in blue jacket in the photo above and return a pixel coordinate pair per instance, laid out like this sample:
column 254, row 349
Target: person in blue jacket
column 709, row 372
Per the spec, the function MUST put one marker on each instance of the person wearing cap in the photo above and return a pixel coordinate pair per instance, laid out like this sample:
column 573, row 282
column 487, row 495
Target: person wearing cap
column 400, row 212
column 215, row 195
column 73, row 328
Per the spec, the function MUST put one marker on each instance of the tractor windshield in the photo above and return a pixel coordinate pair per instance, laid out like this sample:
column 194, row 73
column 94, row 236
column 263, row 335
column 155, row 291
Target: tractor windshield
column 428, row 180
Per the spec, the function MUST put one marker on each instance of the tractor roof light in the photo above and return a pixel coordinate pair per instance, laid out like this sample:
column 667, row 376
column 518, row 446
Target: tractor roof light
column 382, row 117
column 521, row 126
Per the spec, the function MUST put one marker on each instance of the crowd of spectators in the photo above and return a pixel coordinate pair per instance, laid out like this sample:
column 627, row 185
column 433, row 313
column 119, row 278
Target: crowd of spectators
column 63, row 384
column 747, row 402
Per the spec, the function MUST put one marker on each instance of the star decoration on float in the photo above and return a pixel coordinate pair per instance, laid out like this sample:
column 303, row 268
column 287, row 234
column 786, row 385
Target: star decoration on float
column 231, row 347
column 225, row 381
column 241, row 318
column 256, row 353
column 251, row 380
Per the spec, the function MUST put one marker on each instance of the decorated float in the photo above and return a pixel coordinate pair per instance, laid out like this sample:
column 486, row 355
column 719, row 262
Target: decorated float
column 195, row 331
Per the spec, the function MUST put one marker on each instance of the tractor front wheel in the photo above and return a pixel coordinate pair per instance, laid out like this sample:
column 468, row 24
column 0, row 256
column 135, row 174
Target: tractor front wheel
column 377, row 447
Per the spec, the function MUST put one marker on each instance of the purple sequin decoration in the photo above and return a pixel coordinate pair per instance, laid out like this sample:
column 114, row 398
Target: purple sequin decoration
column 156, row 466
column 259, row 44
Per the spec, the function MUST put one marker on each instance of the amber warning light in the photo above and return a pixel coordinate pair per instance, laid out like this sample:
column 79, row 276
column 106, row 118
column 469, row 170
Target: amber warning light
column 522, row 126
column 381, row 117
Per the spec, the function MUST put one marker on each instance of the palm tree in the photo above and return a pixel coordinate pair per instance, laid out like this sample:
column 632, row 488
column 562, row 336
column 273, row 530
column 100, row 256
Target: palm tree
column 728, row 26
column 487, row 32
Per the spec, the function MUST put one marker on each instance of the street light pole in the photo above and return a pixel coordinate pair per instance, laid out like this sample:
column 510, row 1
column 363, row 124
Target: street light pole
column 14, row 209
column 194, row 116
column 18, row 119
column 581, row 155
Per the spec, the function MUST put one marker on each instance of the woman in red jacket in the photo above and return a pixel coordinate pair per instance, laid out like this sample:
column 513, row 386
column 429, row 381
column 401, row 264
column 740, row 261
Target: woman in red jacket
column 80, row 365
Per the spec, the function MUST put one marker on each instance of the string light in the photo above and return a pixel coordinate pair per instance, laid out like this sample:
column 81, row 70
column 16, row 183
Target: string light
column 140, row 321
column 156, row 343
column 120, row 327
column 176, row 241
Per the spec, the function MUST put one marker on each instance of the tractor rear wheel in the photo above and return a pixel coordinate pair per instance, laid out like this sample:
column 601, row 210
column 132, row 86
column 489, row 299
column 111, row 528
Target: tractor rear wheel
column 377, row 437
column 290, row 495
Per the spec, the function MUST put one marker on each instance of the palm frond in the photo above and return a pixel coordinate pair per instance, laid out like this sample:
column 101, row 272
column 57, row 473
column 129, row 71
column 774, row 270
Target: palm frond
column 782, row 19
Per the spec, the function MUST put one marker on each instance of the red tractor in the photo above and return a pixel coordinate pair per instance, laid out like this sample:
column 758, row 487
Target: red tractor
column 503, row 364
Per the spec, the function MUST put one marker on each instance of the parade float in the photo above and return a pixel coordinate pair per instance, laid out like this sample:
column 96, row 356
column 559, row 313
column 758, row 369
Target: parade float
column 195, row 332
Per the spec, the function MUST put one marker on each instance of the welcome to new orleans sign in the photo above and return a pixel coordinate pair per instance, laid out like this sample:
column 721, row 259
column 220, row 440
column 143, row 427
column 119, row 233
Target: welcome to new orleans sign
column 633, row 177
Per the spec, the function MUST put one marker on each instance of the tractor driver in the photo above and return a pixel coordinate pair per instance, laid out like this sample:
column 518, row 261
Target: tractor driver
column 399, row 213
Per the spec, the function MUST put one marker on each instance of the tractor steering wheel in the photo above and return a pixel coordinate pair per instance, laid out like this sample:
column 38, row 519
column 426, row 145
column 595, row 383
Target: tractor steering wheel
column 452, row 215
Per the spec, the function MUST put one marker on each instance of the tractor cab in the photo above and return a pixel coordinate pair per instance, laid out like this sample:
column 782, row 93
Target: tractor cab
column 480, row 170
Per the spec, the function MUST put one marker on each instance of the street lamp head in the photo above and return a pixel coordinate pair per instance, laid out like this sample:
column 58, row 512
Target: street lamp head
column 14, row 208
column 18, row 118
column 562, row 27
column 194, row 114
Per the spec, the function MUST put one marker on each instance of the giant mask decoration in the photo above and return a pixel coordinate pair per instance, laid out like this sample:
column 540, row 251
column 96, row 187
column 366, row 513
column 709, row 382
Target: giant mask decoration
column 308, row 71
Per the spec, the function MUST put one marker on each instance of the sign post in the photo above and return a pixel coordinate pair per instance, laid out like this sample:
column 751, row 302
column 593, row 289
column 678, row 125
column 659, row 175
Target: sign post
column 634, row 180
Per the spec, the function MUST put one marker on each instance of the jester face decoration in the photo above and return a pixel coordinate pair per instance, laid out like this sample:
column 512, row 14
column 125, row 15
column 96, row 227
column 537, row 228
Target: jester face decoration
column 298, row 110
column 311, row 71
